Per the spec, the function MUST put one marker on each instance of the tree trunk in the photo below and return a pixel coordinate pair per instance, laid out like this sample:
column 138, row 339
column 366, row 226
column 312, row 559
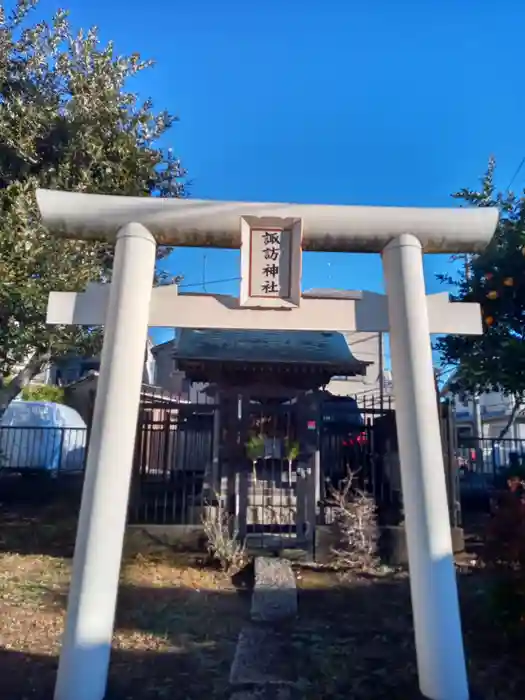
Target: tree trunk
column 10, row 391
column 517, row 407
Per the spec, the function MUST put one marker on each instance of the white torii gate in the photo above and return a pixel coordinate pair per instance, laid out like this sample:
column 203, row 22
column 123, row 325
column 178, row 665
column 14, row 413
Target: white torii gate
column 129, row 305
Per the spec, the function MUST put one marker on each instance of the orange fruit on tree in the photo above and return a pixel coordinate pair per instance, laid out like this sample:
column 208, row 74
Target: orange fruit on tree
column 492, row 295
column 508, row 281
column 489, row 320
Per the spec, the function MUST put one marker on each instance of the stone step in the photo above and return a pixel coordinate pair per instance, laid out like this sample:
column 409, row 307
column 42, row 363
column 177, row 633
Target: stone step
column 262, row 667
column 266, row 515
column 274, row 595
column 262, row 657
column 268, row 487
column 274, row 497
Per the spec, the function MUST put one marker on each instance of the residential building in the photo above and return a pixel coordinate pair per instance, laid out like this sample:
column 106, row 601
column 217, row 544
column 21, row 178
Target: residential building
column 72, row 368
column 495, row 412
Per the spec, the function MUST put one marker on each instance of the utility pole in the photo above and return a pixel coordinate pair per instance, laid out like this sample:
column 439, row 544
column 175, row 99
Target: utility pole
column 381, row 374
column 477, row 422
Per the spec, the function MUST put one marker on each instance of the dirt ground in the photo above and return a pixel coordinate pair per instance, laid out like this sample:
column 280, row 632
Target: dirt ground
column 177, row 621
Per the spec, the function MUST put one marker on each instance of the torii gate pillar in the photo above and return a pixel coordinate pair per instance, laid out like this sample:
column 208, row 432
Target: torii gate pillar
column 86, row 646
column 435, row 607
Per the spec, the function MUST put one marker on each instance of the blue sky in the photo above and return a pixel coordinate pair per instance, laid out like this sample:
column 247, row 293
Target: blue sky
column 340, row 101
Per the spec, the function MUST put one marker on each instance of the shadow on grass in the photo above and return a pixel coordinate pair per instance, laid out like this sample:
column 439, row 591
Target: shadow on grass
column 37, row 522
column 134, row 675
column 179, row 644
column 177, row 620
column 169, row 642
column 352, row 639
column 357, row 639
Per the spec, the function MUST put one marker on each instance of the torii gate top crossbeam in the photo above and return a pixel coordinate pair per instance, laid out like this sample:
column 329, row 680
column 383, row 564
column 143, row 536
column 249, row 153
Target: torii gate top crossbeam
column 197, row 222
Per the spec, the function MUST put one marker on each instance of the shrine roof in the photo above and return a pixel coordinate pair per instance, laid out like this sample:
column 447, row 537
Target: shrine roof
column 324, row 349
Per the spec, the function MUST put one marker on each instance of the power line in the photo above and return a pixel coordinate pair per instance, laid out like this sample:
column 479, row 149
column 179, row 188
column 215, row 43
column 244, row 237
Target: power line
column 518, row 169
column 204, row 283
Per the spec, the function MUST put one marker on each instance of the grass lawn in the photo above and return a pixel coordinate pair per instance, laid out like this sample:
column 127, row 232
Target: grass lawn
column 177, row 621
column 355, row 639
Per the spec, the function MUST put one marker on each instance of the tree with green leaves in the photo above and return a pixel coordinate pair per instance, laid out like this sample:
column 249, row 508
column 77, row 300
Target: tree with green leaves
column 43, row 392
column 69, row 122
column 494, row 361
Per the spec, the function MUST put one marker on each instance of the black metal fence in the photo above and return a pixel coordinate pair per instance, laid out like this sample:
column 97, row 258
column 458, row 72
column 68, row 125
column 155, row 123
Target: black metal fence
column 484, row 465
column 42, row 450
column 173, row 450
column 173, row 455
column 40, row 466
column 490, row 456
column 360, row 442
column 269, row 507
column 182, row 444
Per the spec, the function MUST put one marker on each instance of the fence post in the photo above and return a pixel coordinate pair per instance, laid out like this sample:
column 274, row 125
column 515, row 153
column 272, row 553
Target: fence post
column 241, row 503
column 216, row 446
column 454, row 474
column 231, row 453
column 60, row 450
column 308, row 472
column 449, row 461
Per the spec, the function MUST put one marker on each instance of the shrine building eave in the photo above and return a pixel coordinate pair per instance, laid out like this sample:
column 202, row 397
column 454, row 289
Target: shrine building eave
column 287, row 374
column 209, row 223
column 209, row 355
